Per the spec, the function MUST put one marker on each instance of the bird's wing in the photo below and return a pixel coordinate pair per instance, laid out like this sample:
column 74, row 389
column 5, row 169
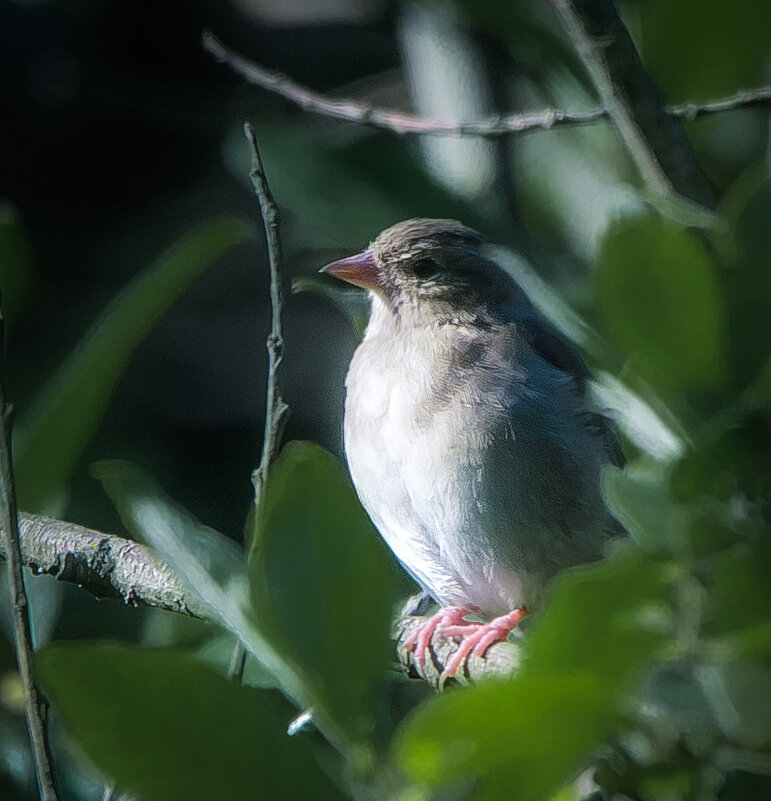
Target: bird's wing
column 551, row 346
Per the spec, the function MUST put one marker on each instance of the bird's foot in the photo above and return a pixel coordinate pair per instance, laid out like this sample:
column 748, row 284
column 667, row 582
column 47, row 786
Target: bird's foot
column 419, row 642
column 476, row 638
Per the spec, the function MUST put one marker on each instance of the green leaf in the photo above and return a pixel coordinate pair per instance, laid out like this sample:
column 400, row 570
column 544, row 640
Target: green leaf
column 641, row 501
column 319, row 579
column 54, row 432
column 586, row 650
column 214, row 569
column 659, row 294
column 212, row 566
column 348, row 190
column 352, row 302
column 519, row 740
column 604, row 619
column 168, row 728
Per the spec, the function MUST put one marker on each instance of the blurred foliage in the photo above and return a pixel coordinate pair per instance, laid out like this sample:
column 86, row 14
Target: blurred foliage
column 645, row 677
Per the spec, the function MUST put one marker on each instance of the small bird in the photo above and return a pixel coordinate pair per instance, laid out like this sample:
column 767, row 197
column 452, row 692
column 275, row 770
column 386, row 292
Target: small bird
column 468, row 433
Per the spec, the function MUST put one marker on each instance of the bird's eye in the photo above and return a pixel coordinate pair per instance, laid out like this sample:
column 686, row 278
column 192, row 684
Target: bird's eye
column 425, row 268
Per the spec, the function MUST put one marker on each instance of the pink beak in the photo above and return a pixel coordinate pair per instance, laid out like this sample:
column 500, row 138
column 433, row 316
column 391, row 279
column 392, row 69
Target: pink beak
column 360, row 270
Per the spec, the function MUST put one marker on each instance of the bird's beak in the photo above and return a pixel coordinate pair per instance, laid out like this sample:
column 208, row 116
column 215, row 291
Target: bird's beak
column 360, row 270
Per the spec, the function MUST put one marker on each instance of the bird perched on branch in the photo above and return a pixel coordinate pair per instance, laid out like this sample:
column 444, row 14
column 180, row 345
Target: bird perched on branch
column 468, row 434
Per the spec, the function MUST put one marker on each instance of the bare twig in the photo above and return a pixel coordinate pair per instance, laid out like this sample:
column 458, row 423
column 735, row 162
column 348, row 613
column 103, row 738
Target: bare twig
column 35, row 705
column 276, row 410
column 399, row 122
column 104, row 565
column 653, row 138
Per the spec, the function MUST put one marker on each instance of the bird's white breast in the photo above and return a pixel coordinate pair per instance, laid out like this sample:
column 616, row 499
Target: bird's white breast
column 416, row 464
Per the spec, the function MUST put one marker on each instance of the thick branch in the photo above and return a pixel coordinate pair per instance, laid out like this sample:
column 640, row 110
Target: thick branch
column 35, row 705
column 113, row 567
column 653, row 138
column 400, row 122
column 105, row 565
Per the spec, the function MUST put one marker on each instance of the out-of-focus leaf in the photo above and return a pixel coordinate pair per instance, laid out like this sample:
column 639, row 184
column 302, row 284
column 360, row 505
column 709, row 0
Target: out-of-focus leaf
column 740, row 693
column 352, row 302
column 731, row 456
column 550, row 304
column 213, row 567
column 348, row 192
column 747, row 281
column 640, row 500
column 603, row 619
column 54, row 432
column 739, row 613
column 658, row 290
column 589, row 646
column 488, row 733
column 653, row 430
column 319, row 584
column 168, row 728
column 703, row 48
column 16, row 264
column 45, row 595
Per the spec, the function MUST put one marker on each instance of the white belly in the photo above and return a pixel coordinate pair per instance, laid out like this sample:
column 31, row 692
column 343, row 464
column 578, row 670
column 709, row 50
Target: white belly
column 419, row 474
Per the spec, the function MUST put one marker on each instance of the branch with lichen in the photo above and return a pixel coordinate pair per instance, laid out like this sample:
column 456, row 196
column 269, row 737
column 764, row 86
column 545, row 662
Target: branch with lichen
column 103, row 564
column 108, row 566
column 362, row 112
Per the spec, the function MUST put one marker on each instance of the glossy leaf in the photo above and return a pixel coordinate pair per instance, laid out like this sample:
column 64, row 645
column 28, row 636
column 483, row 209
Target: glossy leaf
column 54, row 432
column 168, row 728
column 658, row 291
column 319, row 584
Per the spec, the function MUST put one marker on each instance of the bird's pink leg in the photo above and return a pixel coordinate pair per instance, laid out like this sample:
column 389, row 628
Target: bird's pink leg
column 420, row 640
column 478, row 637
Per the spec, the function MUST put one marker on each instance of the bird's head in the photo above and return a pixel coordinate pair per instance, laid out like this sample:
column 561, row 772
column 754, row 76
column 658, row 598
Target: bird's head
column 437, row 268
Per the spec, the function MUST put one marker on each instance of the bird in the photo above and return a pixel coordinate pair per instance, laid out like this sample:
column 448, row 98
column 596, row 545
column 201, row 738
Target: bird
column 468, row 433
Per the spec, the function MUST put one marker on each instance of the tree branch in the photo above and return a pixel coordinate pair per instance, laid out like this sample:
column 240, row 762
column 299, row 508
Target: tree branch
column 403, row 123
column 105, row 565
column 653, row 138
column 35, row 705
column 108, row 566
column 500, row 659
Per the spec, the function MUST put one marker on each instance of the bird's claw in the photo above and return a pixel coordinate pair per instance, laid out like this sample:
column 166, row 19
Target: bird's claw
column 419, row 642
column 475, row 638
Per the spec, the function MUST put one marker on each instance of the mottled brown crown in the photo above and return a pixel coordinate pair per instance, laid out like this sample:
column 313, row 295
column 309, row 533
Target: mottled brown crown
column 441, row 233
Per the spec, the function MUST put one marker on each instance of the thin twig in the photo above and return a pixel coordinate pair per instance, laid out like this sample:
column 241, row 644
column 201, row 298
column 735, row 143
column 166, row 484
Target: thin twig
column 276, row 410
column 399, row 122
column 35, row 705
column 654, row 140
column 105, row 565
